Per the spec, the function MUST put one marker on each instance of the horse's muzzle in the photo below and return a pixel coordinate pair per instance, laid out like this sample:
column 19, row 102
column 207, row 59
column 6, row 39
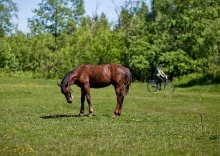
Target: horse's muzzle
column 70, row 100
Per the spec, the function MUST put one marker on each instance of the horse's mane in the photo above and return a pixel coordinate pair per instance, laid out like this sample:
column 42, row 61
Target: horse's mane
column 66, row 78
column 64, row 81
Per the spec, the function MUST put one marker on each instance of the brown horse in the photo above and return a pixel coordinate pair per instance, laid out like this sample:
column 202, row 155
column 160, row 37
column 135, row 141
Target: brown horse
column 91, row 76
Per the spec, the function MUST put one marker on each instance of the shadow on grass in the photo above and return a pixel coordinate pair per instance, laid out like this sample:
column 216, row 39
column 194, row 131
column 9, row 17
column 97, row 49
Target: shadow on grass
column 201, row 80
column 58, row 116
column 62, row 116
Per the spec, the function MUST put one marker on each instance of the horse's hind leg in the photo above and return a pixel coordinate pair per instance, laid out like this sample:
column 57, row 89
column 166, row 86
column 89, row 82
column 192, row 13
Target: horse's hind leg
column 120, row 99
column 120, row 106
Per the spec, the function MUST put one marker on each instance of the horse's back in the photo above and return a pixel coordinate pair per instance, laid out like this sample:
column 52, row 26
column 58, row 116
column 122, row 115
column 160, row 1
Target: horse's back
column 97, row 75
column 102, row 75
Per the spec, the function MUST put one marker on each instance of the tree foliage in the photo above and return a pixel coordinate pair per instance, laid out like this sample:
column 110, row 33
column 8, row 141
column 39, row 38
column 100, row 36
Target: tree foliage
column 184, row 35
column 8, row 10
column 56, row 16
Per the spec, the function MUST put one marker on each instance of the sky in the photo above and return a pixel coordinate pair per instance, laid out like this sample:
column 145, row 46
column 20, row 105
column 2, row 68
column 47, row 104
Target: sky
column 27, row 6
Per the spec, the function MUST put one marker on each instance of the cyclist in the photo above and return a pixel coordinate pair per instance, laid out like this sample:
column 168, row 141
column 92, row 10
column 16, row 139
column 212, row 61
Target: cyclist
column 159, row 75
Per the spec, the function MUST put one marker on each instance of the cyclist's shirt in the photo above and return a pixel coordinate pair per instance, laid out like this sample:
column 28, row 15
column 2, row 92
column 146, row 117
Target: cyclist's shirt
column 157, row 72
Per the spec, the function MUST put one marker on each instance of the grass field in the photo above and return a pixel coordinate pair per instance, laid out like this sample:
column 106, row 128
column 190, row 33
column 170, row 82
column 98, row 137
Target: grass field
column 36, row 120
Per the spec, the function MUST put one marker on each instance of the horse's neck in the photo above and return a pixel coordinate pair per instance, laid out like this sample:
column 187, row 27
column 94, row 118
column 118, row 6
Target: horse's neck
column 73, row 78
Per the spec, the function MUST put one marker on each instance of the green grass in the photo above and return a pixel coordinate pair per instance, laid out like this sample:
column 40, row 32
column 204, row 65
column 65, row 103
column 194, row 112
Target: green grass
column 36, row 120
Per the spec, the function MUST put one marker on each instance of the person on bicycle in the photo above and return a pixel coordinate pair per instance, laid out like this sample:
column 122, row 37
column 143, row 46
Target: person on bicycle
column 159, row 75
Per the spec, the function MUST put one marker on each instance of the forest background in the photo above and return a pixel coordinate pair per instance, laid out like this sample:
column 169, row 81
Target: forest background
column 183, row 35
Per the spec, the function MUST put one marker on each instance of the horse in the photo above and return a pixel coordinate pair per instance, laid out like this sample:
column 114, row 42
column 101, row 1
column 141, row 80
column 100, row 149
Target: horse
column 97, row 76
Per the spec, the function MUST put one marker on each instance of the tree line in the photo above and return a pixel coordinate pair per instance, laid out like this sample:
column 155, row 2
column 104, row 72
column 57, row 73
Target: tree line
column 183, row 35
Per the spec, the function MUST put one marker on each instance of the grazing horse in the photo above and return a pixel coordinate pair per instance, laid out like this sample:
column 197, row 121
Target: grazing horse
column 91, row 76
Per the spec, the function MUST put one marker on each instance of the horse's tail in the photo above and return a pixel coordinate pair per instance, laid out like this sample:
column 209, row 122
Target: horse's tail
column 127, row 82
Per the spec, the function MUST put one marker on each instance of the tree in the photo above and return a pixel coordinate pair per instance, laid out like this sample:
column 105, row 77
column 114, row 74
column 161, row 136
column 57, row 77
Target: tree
column 20, row 45
column 8, row 61
column 56, row 16
column 132, row 27
column 93, row 42
column 101, row 46
column 186, row 32
column 8, row 10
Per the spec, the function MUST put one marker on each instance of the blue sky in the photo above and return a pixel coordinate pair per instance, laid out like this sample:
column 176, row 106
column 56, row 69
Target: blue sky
column 106, row 6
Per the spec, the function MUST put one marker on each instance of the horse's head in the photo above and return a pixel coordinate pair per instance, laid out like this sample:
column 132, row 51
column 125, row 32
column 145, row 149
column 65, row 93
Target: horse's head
column 65, row 84
column 66, row 90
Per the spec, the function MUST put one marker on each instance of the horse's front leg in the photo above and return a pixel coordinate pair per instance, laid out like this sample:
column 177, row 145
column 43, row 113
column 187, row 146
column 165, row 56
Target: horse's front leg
column 83, row 93
column 88, row 97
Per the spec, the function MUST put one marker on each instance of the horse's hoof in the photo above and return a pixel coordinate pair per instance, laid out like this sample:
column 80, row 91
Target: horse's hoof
column 90, row 115
column 80, row 114
column 114, row 116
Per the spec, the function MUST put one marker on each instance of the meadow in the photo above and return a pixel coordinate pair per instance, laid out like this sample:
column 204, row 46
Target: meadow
column 36, row 120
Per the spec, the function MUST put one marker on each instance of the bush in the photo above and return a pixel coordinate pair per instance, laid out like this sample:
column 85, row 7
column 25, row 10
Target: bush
column 197, row 79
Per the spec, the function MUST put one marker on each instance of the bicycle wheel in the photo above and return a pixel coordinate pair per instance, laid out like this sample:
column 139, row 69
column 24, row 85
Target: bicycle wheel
column 169, row 87
column 152, row 86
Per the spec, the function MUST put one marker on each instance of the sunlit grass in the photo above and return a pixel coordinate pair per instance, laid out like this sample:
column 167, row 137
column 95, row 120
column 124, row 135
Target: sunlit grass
column 36, row 120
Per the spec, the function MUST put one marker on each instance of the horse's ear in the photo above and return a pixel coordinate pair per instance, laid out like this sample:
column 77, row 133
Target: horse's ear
column 58, row 84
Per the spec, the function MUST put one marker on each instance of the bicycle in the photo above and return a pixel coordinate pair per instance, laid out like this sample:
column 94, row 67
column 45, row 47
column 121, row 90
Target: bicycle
column 168, row 87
